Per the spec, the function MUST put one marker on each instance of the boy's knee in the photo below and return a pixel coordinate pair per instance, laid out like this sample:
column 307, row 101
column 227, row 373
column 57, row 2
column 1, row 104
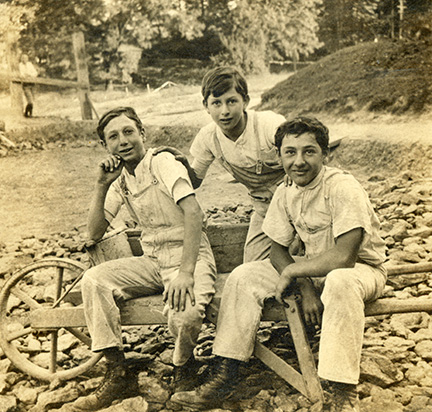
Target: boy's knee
column 190, row 317
column 339, row 283
column 241, row 275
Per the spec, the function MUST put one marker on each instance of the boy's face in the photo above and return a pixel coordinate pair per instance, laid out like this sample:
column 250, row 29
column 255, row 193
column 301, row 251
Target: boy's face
column 227, row 111
column 302, row 157
column 123, row 138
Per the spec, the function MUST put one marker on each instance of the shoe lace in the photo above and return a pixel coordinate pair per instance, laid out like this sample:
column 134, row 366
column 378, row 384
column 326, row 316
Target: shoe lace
column 221, row 381
column 113, row 376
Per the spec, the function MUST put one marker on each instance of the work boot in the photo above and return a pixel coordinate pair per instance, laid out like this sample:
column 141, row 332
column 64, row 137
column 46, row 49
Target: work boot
column 218, row 388
column 343, row 398
column 186, row 376
column 118, row 383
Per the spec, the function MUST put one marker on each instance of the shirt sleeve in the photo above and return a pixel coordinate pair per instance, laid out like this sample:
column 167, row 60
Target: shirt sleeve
column 271, row 122
column 200, row 150
column 113, row 202
column 173, row 175
column 277, row 222
column 350, row 205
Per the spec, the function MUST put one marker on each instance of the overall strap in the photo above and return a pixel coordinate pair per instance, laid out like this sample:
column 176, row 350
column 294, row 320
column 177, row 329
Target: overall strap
column 126, row 195
column 259, row 164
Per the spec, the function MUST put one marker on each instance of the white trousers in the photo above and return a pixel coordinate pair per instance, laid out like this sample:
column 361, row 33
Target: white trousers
column 343, row 297
column 106, row 286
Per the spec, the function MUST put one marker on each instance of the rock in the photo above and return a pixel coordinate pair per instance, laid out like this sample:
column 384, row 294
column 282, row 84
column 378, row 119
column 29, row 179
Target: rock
column 137, row 404
column 5, row 365
column 26, row 395
column 55, row 399
column 424, row 349
column 152, row 390
column 402, row 281
column 420, row 374
column 43, row 359
column 379, row 370
column 284, row 402
column 382, row 400
column 417, row 403
column 66, row 342
column 7, row 403
column 421, row 334
column 399, row 230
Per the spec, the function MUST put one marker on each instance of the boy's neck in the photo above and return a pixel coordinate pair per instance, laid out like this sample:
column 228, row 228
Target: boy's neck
column 235, row 133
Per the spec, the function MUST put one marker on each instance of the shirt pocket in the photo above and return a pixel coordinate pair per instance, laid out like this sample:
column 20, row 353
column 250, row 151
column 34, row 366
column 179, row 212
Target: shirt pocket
column 317, row 217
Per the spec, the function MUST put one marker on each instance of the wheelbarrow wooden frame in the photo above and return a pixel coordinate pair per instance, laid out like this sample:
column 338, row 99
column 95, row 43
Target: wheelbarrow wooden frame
column 227, row 242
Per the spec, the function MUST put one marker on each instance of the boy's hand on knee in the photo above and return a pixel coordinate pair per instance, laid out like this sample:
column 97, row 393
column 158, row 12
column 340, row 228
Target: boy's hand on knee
column 176, row 292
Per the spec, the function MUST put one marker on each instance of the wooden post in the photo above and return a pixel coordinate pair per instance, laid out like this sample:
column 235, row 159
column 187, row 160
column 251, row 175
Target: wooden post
column 16, row 92
column 83, row 76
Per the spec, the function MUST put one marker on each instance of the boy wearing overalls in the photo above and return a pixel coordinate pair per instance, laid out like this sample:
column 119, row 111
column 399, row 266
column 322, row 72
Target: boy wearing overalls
column 344, row 254
column 243, row 142
column 177, row 259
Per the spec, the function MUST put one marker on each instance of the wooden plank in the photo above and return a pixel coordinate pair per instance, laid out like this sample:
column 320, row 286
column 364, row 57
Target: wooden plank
column 285, row 371
column 42, row 80
column 82, row 74
column 227, row 242
column 303, row 350
column 142, row 311
column 386, row 306
column 16, row 91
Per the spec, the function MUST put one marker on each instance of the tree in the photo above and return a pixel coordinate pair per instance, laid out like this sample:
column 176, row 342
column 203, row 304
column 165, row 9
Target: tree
column 253, row 32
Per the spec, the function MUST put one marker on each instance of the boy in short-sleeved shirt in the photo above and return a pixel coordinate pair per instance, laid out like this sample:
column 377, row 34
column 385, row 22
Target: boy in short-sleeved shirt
column 243, row 142
column 177, row 260
column 332, row 215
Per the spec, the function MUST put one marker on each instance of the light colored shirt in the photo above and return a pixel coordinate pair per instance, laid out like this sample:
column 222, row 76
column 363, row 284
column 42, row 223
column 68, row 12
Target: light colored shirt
column 242, row 152
column 27, row 69
column 332, row 204
column 171, row 174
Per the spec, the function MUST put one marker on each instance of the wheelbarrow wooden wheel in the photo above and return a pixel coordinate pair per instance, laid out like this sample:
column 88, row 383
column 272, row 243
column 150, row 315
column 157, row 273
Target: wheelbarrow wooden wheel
column 54, row 354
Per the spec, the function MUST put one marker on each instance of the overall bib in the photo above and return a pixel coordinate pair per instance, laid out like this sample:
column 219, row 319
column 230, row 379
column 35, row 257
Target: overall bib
column 107, row 285
column 261, row 180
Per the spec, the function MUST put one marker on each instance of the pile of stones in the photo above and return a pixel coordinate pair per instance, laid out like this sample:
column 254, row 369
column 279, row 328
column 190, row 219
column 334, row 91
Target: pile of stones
column 396, row 366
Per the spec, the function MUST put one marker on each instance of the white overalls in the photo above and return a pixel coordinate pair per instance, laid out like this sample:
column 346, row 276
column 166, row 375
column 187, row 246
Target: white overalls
column 107, row 285
column 319, row 213
column 260, row 176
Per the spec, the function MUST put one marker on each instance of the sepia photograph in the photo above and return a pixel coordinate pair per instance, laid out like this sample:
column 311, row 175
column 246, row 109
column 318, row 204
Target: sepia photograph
column 216, row 205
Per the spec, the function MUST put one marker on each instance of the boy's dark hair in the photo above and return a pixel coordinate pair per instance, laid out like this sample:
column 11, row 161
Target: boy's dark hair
column 219, row 80
column 300, row 125
column 118, row 111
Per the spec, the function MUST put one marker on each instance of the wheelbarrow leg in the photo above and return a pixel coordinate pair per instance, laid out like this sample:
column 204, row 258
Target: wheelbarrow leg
column 304, row 352
column 307, row 382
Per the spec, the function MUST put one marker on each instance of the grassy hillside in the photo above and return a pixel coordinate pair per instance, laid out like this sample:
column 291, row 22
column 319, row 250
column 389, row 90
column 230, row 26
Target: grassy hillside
column 387, row 76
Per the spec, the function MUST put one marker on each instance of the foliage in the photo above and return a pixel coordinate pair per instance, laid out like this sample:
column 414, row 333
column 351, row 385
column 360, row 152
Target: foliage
column 121, row 34
column 255, row 32
column 348, row 22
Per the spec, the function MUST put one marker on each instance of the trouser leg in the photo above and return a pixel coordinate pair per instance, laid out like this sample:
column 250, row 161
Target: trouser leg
column 185, row 325
column 343, row 297
column 240, row 311
column 258, row 244
column 105, row 286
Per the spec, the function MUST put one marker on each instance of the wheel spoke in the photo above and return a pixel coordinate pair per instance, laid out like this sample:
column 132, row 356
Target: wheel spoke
column 19, row 334
column 79, row 335
column 25, row 298
column 53, row 352
column 34, row 287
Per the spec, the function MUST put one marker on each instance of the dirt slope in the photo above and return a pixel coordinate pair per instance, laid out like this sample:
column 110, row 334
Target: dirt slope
column 385, row 77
